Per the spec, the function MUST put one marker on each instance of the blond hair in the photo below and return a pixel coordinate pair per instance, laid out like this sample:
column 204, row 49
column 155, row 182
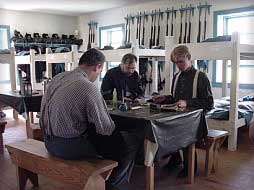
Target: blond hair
column 180, row 51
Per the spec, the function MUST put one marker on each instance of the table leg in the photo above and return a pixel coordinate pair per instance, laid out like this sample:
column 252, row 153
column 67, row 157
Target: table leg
column 149, row 171
column 15, row 114
column 209, row 158
column 191, row 165
column 31, row 117
column 150, row 177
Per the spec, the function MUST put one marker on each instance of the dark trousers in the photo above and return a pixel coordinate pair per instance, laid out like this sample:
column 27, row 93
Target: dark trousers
column 120, row 146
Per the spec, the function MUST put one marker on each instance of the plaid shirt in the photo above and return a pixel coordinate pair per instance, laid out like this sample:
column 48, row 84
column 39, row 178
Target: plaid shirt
column 71, row 104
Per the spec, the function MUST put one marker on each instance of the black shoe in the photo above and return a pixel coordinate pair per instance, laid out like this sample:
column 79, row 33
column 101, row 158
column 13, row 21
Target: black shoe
column 183, row 173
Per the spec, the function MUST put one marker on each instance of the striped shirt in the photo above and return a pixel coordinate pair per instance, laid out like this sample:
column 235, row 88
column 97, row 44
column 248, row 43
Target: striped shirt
column 71, row 104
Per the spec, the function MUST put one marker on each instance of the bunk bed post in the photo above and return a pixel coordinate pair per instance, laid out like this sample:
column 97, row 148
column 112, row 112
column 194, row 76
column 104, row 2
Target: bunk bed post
column 234, row 92
column 169, row 44
column 74, row 49
column 135, row 49
column 32, row 68
column 224, row 78
column 48, row 65
column 12, row 70
column 155, row 75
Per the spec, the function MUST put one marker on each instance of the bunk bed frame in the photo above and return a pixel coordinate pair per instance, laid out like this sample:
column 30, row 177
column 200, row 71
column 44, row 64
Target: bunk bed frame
column 69, row 58
column 154, row 54
column 228, row 50
column 10, row 59
column 31, row 59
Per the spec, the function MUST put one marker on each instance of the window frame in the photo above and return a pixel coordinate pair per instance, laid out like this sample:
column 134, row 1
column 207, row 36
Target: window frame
column 215, row 28
column 8, row 34
column 111, row 27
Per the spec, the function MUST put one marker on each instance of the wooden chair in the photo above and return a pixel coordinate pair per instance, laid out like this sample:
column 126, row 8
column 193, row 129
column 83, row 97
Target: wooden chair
column 31, row 158
column 213, row 142
column 2, row 128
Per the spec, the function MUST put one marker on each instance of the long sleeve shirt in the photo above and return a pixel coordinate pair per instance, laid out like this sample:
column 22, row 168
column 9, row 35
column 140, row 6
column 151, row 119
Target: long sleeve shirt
column 71, row 104
column 184, row 90
column 130, row 85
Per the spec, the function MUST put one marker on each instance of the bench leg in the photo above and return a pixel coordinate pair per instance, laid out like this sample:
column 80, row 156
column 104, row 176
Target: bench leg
column 209, row 159
column 215, row 156
column 95, row 183
column 217, row 146
column 23, row 175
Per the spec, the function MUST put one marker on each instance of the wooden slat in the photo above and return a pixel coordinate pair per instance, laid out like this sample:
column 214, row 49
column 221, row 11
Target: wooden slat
column 216, row 134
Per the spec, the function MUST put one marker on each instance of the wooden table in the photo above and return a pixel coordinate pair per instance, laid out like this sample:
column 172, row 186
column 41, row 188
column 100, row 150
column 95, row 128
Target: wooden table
column 25, row 105
column 148, row 119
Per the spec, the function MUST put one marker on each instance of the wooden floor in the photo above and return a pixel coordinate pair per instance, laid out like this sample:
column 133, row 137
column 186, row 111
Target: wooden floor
column 236, row 169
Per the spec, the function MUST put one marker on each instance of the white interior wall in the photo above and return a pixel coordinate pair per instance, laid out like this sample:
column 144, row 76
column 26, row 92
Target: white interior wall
column 116, row 16
column 32, row 22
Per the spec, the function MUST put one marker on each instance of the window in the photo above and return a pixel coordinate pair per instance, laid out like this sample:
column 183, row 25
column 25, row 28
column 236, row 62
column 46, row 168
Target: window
column 112, row 36
column 226, row 22
column 4, row 68
column 4, row 37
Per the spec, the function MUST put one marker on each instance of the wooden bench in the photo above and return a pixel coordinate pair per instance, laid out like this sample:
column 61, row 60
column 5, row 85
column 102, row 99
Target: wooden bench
column 2, row 128
column 214, row 140
column 31, row 158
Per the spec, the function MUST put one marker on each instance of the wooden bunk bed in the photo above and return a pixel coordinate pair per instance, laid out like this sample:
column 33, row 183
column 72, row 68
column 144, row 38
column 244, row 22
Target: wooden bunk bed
column 227, row 50
column 154, row 54
column 70, row 59
column 31, row 59
column 10, row 59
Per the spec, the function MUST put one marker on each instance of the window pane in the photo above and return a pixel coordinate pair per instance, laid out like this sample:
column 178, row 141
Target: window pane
column 3, row 38
column 246, row 30
column 5, row 83
column 112, row 36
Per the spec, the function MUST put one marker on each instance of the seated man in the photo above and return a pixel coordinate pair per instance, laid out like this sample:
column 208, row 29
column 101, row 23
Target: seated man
column 76, row 123
column 190, row 88
column 125, row 79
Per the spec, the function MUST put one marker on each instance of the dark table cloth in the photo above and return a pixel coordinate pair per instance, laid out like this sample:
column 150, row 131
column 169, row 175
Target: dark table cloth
column 22, row 103
column 171, row 131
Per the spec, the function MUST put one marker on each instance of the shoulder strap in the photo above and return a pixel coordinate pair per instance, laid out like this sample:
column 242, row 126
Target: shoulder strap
column 195, row 85
column 175, row 82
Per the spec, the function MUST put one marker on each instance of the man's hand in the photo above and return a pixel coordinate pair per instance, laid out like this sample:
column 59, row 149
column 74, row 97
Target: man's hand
column 159, row 99
column 181, row 104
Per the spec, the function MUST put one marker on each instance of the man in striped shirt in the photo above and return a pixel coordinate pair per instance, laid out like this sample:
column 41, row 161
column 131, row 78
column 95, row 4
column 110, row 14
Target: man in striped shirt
column 76, row 122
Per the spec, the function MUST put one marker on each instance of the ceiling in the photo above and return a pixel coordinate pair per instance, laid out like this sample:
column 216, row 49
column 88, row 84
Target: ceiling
column 66, row 7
